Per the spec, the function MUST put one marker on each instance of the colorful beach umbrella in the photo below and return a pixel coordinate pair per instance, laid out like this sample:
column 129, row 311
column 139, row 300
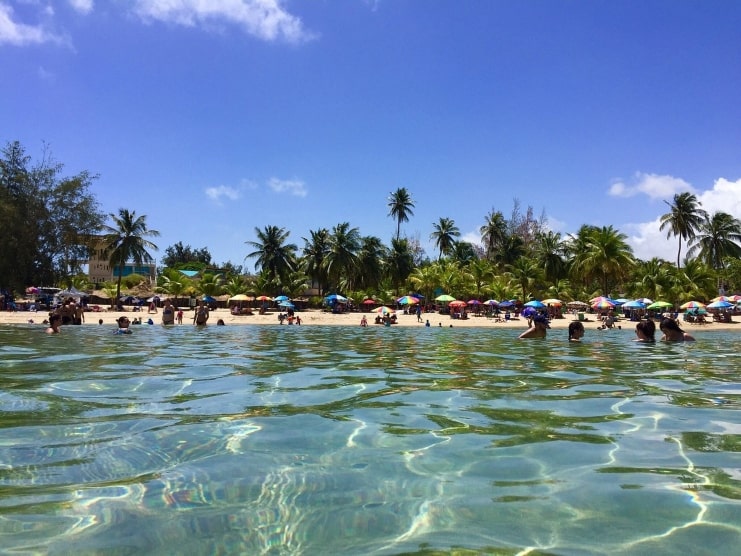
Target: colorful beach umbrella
column 692, row 305
column 603, row 304
column 407, row 300
column 383, row 310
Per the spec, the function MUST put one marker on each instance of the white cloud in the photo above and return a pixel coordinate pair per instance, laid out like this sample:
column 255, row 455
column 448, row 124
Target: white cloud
column 646, row 239
column 473, row 238
column 82, row 6
column 221, row 191
column 652, row 185
column 264, row 19
column 293, row 187
column 20, row 34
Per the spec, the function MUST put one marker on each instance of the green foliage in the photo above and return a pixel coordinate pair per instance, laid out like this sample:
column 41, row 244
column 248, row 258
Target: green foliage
column 46, row 220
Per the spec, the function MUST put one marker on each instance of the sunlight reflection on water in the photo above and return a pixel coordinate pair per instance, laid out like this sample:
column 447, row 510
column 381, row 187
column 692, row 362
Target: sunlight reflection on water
column 299, row 440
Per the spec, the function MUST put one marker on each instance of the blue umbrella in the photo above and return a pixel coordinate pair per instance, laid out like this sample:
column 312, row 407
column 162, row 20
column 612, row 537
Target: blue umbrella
column 634, row 305
column 529, row 311
column 336, row 297
column 282, row 298
column 535, row 304
column 506, row 304
column 720, row 305
column 208, row 299
column 286, row 304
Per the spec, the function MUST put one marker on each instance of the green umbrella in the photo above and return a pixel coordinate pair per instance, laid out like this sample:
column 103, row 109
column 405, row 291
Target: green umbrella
column 445, row 297
column 659, row 305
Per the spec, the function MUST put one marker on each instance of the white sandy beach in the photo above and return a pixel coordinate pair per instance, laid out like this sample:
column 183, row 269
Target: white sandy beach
column 315, row 317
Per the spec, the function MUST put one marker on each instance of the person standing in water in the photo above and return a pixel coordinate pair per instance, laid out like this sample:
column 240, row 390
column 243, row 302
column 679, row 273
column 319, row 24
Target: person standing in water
column 576, row 331
column 168, row 313
column 202, row 314
column 672, row 332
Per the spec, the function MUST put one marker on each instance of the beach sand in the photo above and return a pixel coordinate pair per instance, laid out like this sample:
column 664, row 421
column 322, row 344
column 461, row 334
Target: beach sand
column 317, row 317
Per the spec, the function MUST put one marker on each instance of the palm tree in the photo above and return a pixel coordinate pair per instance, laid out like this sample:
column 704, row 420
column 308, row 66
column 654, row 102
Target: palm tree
column 370, row 263
column 527, row 272
column 684, row 218
column 400, row 205
column 274, row 256
column 719, row 236
column 315, row 250
column 493, row 232
column 601, row 254
column 654, row 278
column 341, row 261
column 550, row 251
column 399, row 263
column 126, row 241
column 444, row 235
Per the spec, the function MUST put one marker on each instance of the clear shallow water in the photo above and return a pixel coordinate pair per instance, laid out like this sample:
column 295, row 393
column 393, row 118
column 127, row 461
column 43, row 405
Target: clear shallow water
column 328, row 440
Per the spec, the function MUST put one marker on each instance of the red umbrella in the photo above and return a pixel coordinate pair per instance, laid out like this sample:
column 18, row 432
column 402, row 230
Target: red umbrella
column 370, row 302
column 457, row 303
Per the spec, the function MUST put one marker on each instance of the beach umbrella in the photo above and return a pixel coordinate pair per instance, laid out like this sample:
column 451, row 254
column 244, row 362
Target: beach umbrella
column 506, row 304
column 369, row 302
column 240, row 297
column 577, row 305
column 621, row 300
column 383, row 310
column 529, row 311
column 600, row 298
column 659, row 305
column 645, row 300
column 474, row 302
column 721, row 298
column 336, row 297
column 281, row 298
column 635, row 304
column 491, row 302
column 692, row 305
column 208, row 299
column 553, row 301
column 286, row 303
column 603, row 304
column 445, row 297
column 407, row 300
column 720, row 305
column 535, row 304
column 457, row 303
column 263, row 298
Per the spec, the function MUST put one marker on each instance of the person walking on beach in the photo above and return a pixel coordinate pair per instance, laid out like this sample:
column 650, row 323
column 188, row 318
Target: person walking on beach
column 419, row 313
column 202, row 313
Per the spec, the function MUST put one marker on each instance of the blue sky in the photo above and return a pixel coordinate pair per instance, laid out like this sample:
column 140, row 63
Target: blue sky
column 213, row 118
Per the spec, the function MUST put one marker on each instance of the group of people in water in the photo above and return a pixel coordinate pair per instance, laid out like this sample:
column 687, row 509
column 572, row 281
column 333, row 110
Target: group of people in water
column 645, row 330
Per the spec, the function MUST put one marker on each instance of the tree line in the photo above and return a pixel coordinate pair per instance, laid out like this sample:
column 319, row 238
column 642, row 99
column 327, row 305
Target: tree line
column 46, row 219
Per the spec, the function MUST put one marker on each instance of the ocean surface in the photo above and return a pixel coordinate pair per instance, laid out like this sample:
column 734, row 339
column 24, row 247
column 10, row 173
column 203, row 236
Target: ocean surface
column 342, row 440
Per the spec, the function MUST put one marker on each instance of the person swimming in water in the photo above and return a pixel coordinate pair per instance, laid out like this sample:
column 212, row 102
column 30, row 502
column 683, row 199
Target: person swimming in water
column 576, row 331
column 54, row 321
column 168, row 313
column 672, row 332
column 538, row 328
column 123, row 326
column 645, row 331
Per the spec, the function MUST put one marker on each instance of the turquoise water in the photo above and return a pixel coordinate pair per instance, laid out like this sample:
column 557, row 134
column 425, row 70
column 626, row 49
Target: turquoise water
column 331, row 440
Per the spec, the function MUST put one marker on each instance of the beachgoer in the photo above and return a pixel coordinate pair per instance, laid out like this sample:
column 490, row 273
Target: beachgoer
column 220, row 322
column 180, row 316
column 645, row 331
column 419, row 313
column 576, row 331
column 363, row 321
column 78, row 313
column 150, row 321
column 672, row 332
column 201, row 314
column 54, row 322
column 427, row 323
column 66, row 311
column 100, row 321
column 168, row 313
column 152, row 308
column 538, row 328
column 298, row 320
column 123, row 326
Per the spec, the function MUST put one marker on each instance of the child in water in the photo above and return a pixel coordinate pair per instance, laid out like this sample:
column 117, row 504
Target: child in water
column 576, row 331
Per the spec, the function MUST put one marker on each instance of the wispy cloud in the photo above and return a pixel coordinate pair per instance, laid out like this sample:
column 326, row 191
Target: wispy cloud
column 223, row 191
column 652, row 185
column 20, row 34
column 292, row 187
column 82, row 6
column 264, row 19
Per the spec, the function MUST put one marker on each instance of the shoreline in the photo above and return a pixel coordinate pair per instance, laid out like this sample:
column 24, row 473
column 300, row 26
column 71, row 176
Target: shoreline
column 314, row 317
